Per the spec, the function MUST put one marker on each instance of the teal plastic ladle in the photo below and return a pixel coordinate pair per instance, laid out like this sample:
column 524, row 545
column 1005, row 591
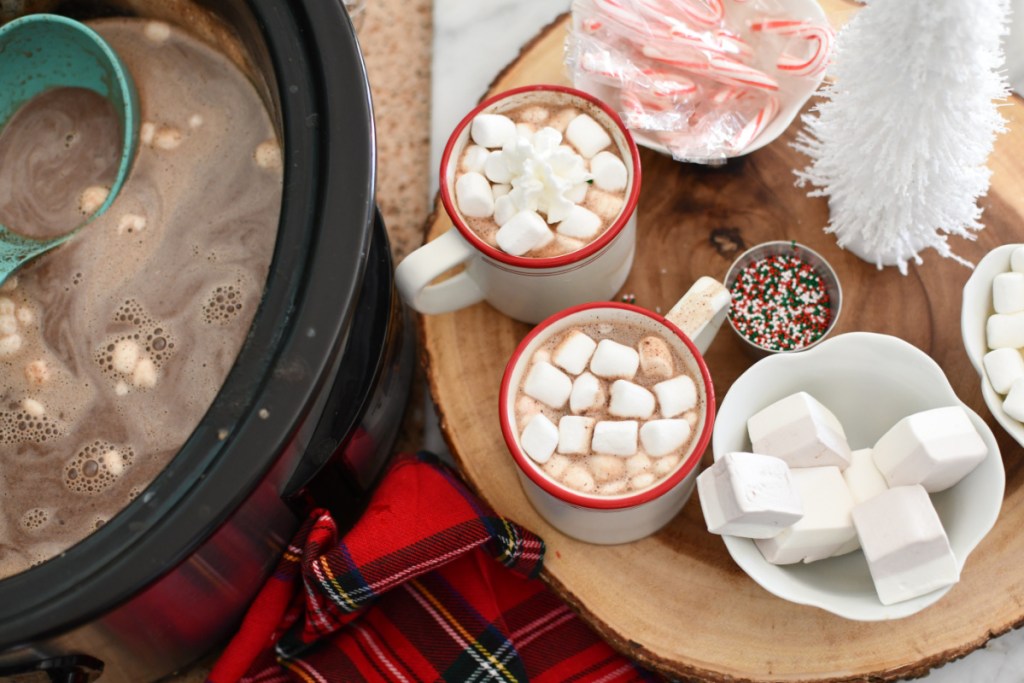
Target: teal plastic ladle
column 39, row 52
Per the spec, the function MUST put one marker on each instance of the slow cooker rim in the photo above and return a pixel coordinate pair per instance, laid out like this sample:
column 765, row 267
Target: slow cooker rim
column 60, row 597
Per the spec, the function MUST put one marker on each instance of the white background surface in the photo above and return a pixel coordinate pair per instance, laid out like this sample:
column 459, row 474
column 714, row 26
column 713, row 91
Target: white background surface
column 473, row 41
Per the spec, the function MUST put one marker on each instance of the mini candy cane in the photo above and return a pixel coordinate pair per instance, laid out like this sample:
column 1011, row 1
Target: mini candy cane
column 669, row 85
column 733, row 44
column 718, row 68
column 757, row 124
column 819, row 36
column 702, row 12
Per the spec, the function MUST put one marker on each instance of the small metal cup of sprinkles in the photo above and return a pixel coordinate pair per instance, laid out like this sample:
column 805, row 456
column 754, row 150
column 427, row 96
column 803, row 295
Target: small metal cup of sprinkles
column 785, row 297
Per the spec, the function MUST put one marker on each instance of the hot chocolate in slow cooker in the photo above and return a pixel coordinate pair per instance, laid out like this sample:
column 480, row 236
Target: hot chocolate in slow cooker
column 309, row 408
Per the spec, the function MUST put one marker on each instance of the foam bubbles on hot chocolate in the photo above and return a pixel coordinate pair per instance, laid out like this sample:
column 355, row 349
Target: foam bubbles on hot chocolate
column 96, row 467
column 223, row 305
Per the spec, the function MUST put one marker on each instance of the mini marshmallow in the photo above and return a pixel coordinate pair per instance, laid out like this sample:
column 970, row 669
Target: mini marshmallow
column 496, row 168
column 1013, row 404
column 579, row 478
column 587, row 135
column 535, row 115
column 168, row 138
column 676, row 395
column 473, row 195
column 612, row 488
column 580, row 222
column 33, row 407
column 92, row 198
column 630, row 400
column 826, row 525
column 145, row 375
column 1008, row 292
column 574, row 352
column 587, row 394
column 664, row 465
column 504, row 209
column 38, row 372
column 474, row 158
column 10, row 344
column 612, row 359
column 492, row 130
column 934, row 448
column 862, row 477
column 1005, row 330
column 526, row 408
column 560, row 120
column 539, row 439
column 125, row 356
column 574, row 434
column 661, row 437
column 267, row 155
column 635, row 464
column 604, row 204
column 1003, row 367
column 26, row 316
column 1017, row 260
column 547, row 384
column 524, row 232
column 801, row 431
column 556, row 466
column 8, row 324
column 656, row 359
column 568, row 244
column 642, row 481
column 500, row 190
column 605, row 468
column 615, row 438
column 748, row 495
column 609, row 172
column 907, row 549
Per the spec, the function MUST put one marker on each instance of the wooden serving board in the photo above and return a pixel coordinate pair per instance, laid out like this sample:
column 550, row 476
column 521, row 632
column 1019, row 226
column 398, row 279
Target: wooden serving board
column 676, row 601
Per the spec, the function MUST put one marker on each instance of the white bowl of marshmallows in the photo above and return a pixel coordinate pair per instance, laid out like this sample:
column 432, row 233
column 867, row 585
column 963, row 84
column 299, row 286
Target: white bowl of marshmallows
column 992, row 325
column 850, row 477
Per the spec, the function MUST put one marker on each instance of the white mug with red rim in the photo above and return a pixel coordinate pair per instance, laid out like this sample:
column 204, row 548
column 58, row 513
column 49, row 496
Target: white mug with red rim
column 527, row 289
column 609, row 519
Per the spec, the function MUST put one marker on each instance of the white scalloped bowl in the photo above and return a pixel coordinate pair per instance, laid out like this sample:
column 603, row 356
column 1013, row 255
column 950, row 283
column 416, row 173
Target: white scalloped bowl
column 974, row 313
column 870, row 381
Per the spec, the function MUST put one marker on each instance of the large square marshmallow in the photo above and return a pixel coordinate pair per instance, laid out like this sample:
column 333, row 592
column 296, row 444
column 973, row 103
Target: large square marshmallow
column 492, row 130
column 934, row 448
column 523, row 232
column 614, row 360
column 801, row 431
column 865, row 482
column 826, row 525
column 661, row 437
column 748, row 495
column 547, row 384
column 656, row 358
column 574, row 352
column 905, row 545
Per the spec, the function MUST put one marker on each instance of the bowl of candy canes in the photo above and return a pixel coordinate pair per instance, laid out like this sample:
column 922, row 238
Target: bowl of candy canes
column 702, row 80
column 851, row 478
column 992, row 326
column 785, row 297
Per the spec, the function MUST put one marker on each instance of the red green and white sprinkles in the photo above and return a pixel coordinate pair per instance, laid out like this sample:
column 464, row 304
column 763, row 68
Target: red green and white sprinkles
column 780, row 303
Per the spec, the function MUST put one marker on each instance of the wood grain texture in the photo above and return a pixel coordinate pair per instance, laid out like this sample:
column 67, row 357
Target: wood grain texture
column 676, row 601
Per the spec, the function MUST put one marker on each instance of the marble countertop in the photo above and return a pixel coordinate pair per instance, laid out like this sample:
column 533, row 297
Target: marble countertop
column 473, row 41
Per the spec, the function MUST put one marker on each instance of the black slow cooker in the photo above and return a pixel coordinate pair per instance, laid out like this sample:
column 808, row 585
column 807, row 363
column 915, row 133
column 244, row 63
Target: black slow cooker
column 309, row 411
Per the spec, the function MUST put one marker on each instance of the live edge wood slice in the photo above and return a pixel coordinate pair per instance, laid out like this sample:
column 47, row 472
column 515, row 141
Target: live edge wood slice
column 675, row 601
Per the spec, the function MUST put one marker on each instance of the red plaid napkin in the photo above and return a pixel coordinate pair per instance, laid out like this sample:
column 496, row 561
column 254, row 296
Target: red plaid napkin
column 429, row 585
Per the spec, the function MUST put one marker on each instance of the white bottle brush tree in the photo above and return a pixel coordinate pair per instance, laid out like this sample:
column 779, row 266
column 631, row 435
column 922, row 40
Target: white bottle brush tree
column 899, row 143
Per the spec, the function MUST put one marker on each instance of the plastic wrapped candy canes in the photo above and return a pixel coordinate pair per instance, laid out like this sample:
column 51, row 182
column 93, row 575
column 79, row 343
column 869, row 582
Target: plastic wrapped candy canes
column 702, row 78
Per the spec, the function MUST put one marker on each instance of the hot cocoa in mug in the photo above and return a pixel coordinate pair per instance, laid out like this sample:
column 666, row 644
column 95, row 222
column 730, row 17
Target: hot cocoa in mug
column 606, row 409
column 541, row 184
